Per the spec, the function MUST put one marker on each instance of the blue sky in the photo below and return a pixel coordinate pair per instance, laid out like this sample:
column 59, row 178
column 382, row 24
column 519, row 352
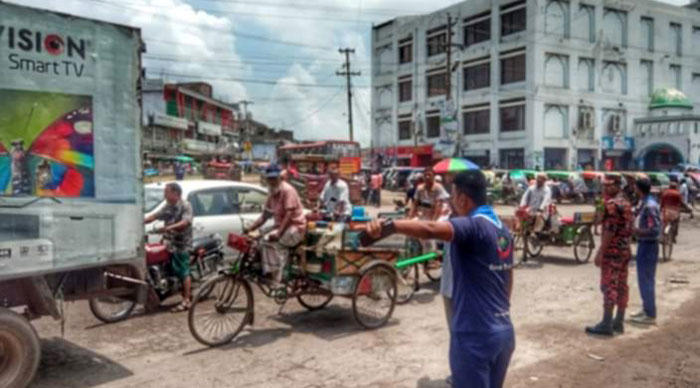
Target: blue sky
column 224, row 42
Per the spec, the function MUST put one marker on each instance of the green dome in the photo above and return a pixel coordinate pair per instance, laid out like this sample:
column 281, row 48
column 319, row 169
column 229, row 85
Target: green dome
column 669, row 98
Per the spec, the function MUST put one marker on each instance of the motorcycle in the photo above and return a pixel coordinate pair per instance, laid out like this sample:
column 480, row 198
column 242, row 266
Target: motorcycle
column 206, row 257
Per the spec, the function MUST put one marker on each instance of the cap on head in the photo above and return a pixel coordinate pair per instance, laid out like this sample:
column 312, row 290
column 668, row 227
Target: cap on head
column 273, row 171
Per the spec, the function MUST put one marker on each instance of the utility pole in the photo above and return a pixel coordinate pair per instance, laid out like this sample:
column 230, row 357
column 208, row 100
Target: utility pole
column 246, row 124
column 449, row 57
column 347, row 74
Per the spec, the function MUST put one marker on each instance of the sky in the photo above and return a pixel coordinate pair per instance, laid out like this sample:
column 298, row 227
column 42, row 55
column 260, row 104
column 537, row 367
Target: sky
column 280, row 54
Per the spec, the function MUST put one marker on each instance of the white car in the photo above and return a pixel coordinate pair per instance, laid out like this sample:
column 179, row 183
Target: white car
column 220, row 207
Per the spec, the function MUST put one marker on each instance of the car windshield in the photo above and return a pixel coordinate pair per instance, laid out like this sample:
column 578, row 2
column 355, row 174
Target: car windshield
column 153, row 196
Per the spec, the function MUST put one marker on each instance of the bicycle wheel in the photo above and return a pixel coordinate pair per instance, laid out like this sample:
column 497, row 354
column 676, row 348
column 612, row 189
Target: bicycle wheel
column 220, row 313
column 407, row 284
column 583, row 244
column 374, row 298
column 315, row 301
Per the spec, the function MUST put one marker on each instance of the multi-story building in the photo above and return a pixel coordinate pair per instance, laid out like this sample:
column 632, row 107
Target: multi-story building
column 531, row 83
column 184, row 118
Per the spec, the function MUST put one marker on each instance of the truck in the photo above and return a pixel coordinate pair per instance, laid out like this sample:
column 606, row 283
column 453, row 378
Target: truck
column 71, row 192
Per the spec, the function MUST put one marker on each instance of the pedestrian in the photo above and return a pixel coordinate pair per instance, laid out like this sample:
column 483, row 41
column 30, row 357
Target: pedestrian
column 376, row 182
column 177, row 233
column 685, row 194
column 647, row 229
column 179, row 171
column 613, row 258
column 482, row 338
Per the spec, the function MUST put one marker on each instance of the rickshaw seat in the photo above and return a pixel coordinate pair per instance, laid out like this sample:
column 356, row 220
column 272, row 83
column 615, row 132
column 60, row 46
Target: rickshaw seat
column 566, row 220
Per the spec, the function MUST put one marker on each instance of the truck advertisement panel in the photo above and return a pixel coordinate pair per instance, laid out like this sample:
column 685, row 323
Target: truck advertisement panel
column 46, row 144
column 70, row 170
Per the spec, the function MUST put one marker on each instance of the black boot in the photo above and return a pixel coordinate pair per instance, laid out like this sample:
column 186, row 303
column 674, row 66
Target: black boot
column 618, row 325
column 605, row 326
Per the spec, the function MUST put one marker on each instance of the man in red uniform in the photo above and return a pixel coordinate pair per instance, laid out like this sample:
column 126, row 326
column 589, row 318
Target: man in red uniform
column 613, row 258
column 671, row 204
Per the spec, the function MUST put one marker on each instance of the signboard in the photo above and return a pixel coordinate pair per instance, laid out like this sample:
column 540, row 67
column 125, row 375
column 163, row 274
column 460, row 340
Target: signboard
column 350, row 165
column 209, row 129
column 624, row 143
column 169, row 121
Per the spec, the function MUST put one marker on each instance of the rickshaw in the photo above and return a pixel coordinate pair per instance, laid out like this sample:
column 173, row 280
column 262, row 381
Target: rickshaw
column 576, row 231
column 563, row 186
column 509, row 187
column 659, row 182
column 327, row 264
column 216, row 169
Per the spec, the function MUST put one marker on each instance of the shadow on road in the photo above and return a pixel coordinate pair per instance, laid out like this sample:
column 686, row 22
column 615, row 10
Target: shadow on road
column 331, row 323
column 249, row 339
column 425, row 382
column 65, row 364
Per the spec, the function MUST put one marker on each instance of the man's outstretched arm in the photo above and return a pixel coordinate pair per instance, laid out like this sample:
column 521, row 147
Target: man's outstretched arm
column 437, row 230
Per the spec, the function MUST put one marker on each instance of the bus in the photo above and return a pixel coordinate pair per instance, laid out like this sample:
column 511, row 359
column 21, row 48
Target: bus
column 308, row 163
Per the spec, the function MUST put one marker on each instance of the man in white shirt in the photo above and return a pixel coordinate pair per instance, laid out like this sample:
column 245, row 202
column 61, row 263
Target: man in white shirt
column 335, row 197
column 537, row 198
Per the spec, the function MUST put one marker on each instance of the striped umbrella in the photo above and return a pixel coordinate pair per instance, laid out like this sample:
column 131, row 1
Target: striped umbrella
column 454, row 165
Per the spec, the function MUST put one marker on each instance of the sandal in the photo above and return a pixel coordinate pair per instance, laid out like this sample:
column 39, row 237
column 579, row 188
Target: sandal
column 184, row 306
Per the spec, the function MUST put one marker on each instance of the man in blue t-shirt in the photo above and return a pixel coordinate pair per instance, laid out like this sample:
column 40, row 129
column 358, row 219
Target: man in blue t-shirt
column 482, row 337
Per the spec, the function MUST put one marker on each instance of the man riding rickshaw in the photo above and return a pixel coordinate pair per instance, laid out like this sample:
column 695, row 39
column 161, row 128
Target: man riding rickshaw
column 537, row 201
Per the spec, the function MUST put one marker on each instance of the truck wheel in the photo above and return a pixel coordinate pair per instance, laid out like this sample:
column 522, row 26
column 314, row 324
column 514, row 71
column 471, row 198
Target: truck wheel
column 19, row 350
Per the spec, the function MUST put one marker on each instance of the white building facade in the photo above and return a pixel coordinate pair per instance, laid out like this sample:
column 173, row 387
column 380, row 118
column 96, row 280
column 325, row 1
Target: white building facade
column 533, row 83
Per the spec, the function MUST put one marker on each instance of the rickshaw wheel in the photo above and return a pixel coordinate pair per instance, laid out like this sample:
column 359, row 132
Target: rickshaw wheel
column 314, row 301
column 220, row 312
column 374, row 298
column 533, row 245
column 407, row 287
column 583, row 244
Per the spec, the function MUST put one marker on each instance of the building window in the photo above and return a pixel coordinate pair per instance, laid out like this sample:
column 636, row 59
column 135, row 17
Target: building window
column 406, row 50
column 513, row 18
column 586, row 126
column 676, row 76
column 556, row 70
column 436, row 41
column 512, row 114
column 695, row 84
column 477, row 75
column 696, row 36
column 404, row 129
column 647, row 76
column 513, row 69
column 477, row 28
column 586, row 15
column 437, row 84
column 405, row 90
column 676, row 41
column 432, row 124
column 476, row 120
column 647, row 33
column 556, row 121
column 586, row 74
column 614, row 78
column 615, row 27
column 557, row 18
column 512, row 158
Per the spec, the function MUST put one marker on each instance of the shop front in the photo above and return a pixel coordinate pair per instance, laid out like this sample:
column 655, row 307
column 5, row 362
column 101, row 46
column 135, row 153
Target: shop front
column 409, row 156
column 617, row 153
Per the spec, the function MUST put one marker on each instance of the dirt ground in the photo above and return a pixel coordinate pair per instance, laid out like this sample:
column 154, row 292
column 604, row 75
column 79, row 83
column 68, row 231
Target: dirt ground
column 551, row 305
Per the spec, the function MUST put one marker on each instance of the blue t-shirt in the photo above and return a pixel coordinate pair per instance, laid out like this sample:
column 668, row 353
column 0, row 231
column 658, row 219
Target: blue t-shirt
column 481, row 256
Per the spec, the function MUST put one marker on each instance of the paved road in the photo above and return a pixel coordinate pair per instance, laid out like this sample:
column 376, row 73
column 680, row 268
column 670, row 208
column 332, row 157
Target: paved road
column 295, row 348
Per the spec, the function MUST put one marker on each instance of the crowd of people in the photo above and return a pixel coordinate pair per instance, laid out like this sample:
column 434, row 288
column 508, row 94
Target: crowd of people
column 477, row 277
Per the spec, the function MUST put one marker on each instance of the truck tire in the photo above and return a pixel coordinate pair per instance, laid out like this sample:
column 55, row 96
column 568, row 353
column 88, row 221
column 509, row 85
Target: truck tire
column 21, row 350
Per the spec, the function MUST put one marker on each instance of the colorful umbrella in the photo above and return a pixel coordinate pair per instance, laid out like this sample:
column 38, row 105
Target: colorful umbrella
column 454, row 165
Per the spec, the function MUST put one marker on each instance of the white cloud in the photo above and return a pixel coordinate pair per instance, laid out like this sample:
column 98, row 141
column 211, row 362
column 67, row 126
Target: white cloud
column 182, row 38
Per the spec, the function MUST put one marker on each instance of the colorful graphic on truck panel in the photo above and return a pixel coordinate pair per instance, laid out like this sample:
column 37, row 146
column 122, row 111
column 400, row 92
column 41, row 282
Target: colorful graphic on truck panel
column 46, row 144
